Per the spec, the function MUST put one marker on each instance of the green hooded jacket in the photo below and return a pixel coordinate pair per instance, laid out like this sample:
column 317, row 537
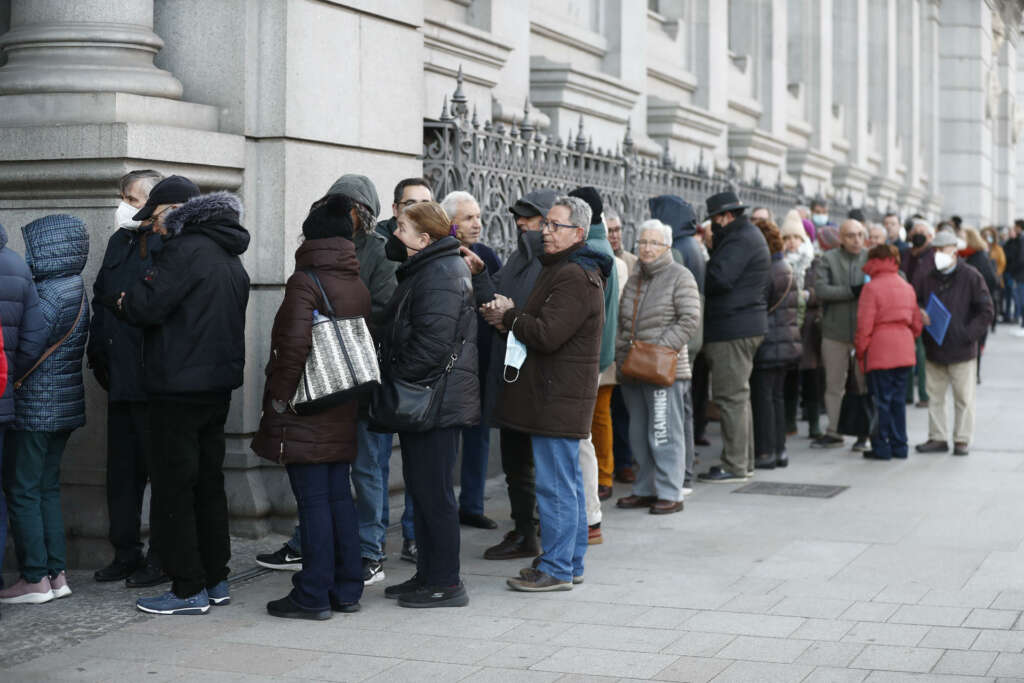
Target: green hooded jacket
column 598, row 241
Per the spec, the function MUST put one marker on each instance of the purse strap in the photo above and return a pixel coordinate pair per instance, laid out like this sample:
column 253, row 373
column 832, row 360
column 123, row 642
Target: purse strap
column 50, row 351
column 789, row 286
column 327, row 302
column 636, row 309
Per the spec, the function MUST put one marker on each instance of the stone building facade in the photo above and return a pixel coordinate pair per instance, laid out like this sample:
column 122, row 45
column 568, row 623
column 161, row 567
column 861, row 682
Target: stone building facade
column 902, row 104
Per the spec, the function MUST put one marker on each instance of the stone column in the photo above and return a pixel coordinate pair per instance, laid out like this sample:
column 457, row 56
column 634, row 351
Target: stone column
column 83, row 46
column 711, row 64
column 966, row 109
column 882, row 97
column 850, row 69
column 1005, row 136
column 930, row 103
column 908, row 110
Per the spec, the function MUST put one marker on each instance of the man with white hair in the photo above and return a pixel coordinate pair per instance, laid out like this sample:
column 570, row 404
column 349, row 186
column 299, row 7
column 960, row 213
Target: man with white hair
column 918, row 258
column 558, row 330
column 464, row 212
column 114, row 353
column 877, row 234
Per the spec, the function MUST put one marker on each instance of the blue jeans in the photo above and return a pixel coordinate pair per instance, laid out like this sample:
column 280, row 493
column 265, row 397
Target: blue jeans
column 331, row 565
column 476, row 446
column 888, row 389
column 370, row 473
column 562, row 506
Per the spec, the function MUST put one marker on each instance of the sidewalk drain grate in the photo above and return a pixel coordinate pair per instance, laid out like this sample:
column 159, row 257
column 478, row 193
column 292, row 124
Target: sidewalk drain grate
column 778, row 488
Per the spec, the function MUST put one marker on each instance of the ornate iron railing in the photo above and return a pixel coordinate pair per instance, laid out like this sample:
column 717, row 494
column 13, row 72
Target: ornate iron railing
column 499, row 164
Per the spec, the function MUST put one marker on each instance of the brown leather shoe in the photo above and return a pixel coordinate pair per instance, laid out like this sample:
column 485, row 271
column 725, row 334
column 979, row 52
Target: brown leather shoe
column 630, row 502
column 512, row 546
column 960, row 448
column 626, row 474
column 604, row 492
column 932, row 446
column 666, row 507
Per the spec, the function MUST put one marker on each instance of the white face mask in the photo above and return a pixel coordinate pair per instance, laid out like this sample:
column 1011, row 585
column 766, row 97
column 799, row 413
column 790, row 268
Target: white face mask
column 123, row 216
column 944, row 261
column 515, row 356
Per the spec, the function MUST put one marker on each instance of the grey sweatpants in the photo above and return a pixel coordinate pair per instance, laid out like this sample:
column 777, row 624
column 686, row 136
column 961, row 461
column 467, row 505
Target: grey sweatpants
column 657, row 438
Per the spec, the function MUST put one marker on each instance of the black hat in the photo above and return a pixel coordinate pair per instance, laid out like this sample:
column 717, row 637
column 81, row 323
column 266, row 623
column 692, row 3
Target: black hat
column 330, row 217
column 536, row 203
column 591, row 197
column 173, row 189
column 722, row 202
column 856, row 214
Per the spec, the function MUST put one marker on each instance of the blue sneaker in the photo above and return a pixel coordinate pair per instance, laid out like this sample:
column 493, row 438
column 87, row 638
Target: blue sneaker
column 219, row 594
column 169, row 603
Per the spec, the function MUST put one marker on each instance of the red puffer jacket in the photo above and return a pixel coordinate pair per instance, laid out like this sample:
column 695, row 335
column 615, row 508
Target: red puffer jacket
column 888, row 319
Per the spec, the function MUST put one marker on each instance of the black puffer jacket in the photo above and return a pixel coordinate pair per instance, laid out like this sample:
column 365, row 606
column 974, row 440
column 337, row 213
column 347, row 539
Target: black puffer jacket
column 115, row 347
column 679, row 215
column 736, row 283
column 191, row 302
column 432, row 316
column 781, row 346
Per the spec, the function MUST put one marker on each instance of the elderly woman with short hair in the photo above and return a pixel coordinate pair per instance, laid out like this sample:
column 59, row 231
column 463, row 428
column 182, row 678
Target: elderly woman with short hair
column 660, row 305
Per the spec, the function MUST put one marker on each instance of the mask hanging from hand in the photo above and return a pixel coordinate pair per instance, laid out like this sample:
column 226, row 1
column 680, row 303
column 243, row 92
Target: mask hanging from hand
column 123, row 216
column 515, row 356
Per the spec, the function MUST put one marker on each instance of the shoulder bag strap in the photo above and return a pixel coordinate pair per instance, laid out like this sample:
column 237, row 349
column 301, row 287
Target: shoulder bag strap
column 328, row 309
column 789, row 285
column 334, row 323
column 50, row 351
column 636, row 308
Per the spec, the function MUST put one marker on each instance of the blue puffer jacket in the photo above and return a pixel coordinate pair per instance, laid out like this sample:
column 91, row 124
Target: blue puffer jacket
column 52, row 399
column 22, row 320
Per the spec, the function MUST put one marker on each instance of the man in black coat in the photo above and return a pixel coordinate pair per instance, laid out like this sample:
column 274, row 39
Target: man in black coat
column 735, row 323
column 191, row 305
column 115, row 356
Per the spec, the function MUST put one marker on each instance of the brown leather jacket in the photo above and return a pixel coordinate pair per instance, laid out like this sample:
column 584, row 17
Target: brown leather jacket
column 328, row 436
column 561, row 326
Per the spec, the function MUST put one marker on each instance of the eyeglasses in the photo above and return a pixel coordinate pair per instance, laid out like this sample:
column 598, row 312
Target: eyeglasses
column 551, row 226
column 409, row 202
column 647, row 243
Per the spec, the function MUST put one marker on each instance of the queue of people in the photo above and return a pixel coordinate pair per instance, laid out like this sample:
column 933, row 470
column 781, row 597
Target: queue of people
column 595, row 363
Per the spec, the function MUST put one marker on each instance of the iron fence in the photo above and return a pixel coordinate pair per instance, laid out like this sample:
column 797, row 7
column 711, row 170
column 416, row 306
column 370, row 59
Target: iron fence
column 498, row 164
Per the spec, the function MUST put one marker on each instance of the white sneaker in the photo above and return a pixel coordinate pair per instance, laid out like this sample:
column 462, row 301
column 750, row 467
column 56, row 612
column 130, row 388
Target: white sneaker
column 59, row 585
column 25, row 593
column 373, row 572
column 687, row 491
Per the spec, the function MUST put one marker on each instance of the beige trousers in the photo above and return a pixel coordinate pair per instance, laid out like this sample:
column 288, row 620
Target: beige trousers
column 835, row 356
column 963, row 376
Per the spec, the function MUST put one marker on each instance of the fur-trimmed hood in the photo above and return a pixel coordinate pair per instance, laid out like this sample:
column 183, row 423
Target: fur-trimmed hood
column 215, row 215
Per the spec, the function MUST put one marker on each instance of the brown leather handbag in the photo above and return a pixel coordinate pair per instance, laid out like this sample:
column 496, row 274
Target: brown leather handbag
column 646, row 362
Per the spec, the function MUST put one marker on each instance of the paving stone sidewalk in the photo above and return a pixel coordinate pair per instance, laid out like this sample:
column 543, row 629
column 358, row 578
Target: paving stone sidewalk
column 914, row 573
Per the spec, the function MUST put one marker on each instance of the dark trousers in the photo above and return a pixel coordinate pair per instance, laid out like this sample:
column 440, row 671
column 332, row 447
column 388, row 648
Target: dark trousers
column 620, row 431
column 699, row 388
column 428, row 464
column 189, row 511
column 889, row 389
column 476, row 447
column 127, row 474
column 331, row 562
column 810, row 390
column 767, row 401
column 791, row 387
column 517, row 463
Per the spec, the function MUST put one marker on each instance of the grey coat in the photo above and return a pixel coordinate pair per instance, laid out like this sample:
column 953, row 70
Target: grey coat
column 669, row 311
column 838, row 273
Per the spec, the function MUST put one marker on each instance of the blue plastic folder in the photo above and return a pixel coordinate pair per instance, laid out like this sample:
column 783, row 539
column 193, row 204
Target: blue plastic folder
column 940, row 317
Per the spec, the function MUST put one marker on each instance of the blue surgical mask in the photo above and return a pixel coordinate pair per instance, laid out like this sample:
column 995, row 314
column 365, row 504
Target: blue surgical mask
column 515, row 356
column 819, row 219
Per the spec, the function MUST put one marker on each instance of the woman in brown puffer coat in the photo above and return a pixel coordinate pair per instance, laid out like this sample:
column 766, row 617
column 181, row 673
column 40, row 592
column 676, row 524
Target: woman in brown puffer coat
column 316, row 449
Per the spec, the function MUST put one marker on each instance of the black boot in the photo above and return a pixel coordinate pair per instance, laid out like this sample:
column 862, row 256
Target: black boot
column 782, row 459
column 765, row 462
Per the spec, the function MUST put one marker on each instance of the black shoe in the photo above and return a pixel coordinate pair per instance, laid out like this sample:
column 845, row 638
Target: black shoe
column 828, row 441
column 436, row 596
column 285, row 608
column 409, row 552
column 117, row 570
column 719, row 475
column 765, row 462
column 960, row 448
column 932, row 446
column 871, row 455
column 373, row 572
column 345, row 607
column 782, row 459
column 479, row 521
column 285, row 558
column 147, row 576
column 400, row 589
column 514, row 545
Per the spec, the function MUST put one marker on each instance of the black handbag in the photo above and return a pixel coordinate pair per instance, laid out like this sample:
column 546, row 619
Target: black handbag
column 857, row 414
column 398, row 405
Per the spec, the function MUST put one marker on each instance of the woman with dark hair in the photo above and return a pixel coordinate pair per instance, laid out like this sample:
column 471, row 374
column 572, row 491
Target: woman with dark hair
column 430, row 341
column 778, row 353
column 888, row 322
column 317, row 450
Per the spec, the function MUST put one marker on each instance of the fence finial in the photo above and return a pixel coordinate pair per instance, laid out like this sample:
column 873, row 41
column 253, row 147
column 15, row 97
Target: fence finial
column 444, row 110
column 459, row 100
column 581, row 139
column 476, row 120
column 627, row 140
column 526, row 129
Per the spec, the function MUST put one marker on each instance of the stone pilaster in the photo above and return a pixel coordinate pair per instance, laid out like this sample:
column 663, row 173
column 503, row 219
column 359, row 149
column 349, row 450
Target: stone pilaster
column 810, row 65
column 850, row 68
